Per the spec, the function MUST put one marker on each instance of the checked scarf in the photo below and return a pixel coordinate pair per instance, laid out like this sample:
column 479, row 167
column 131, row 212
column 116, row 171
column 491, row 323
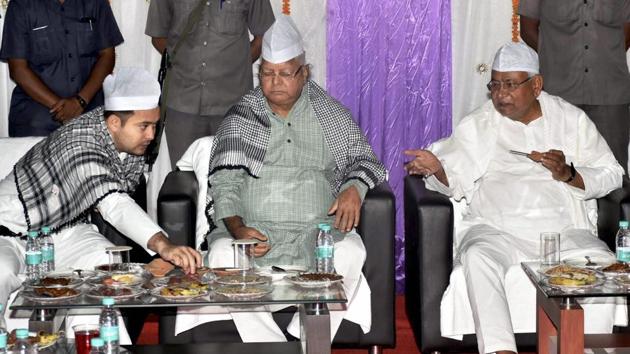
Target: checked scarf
column 62, row 177
column 243, row 138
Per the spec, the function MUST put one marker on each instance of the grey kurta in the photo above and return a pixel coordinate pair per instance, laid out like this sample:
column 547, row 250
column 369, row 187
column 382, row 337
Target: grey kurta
column 292, row 194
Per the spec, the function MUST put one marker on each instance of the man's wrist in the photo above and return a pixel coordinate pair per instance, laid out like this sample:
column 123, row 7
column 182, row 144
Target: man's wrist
column 158, row 242
column 82, row 102
column 573, row 172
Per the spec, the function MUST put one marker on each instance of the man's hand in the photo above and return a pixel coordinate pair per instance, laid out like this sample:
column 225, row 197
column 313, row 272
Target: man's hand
column 424, row 163
column 347, row 209
column 240, row 231
column 66, row 109
column 246, row 233
column 182, row 256
column 554, row 161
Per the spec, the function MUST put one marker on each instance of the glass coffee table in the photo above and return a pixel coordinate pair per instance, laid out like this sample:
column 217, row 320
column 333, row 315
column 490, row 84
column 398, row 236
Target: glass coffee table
column 313, row 305
column 560, row 318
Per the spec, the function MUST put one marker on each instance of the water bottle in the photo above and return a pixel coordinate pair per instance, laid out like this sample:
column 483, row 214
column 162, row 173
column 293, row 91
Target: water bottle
column 48, row 250
column 108, row 322
column 33, row 257
column 98, row 346
column 324, row 251
column 22, row 346
column 3, row 336
column 622, row 241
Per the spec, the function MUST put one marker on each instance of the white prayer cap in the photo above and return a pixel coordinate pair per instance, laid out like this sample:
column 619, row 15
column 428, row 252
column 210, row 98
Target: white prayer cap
column 282, row 41
column 516, row 56
column 130, row 89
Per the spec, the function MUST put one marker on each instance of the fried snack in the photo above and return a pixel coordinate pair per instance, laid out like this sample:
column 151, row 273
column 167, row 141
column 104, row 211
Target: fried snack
column 159, row 267
column 107, row 291
column 191, row 289
column 42, row 338
column 565, row 275
column 617, row 268
column 55, row 292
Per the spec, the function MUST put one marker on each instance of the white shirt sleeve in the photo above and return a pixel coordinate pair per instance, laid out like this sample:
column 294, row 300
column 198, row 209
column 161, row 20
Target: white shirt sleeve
column 129, row 219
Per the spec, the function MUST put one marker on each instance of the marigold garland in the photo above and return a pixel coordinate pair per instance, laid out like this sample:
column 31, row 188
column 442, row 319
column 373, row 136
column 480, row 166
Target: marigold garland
column 515, row 29
column 286, row 7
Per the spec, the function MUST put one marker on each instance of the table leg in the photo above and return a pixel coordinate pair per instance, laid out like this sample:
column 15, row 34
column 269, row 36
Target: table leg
column 561, row 318
column 315, row 329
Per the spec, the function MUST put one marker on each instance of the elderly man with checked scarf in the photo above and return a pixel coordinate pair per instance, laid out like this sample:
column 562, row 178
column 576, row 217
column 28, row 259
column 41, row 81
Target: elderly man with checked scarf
column 94, row 161
column 288, row 157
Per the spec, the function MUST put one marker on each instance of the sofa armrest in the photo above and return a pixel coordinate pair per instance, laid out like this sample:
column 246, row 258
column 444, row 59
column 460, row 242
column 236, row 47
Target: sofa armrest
column 610, row 209
column 377, row 228
column 177, row 207
column 428, row 257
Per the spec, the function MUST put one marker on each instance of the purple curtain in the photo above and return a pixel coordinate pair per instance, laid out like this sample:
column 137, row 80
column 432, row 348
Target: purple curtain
column 389, row 62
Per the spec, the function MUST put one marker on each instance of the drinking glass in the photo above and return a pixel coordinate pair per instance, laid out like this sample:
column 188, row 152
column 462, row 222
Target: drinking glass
column 549, row 248
column 83, row 333
column 244, row 254
column 118, row 257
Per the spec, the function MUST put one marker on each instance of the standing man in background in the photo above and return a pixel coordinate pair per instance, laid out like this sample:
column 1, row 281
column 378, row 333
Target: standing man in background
column 212, row 67
column 59, row 52
column 582, row 46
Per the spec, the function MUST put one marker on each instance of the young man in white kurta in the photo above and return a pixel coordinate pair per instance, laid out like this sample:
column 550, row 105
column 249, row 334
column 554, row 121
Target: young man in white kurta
column 511, row 198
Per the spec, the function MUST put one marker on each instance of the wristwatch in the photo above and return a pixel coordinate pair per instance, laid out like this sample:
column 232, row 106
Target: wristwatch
column 82, row 102
column 573, row 172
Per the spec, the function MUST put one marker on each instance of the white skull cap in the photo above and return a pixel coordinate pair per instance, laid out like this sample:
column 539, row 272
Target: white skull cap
column 282, row 41
column 130, row 89
column 516, row 56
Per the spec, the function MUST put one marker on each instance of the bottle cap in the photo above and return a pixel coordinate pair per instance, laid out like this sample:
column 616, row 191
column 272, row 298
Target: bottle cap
column 108, row 301
column 32, row 234
column 97, row 342
column 624, row 224
column 324, row 227
column 21, row 333
column 45, row 230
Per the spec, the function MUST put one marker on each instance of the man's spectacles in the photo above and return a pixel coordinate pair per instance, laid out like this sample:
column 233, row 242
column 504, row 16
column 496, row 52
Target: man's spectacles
column 268, row 75
column 509, row 86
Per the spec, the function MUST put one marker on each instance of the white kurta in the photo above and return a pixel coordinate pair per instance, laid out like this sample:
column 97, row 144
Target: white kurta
column 511, row 199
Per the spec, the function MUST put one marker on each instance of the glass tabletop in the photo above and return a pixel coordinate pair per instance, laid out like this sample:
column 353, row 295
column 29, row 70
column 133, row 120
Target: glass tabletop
column 279, row 292
column 603, row 286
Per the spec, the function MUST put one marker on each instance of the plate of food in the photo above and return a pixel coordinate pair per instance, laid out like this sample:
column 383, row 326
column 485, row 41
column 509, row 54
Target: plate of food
column 616, row 269
column 137, row 268
column 314, row 280
column 42, row 339
column 117, row 279
column 39, row 294
column 243, row 279
column 181, row 292
column 181, row 280
column 223, row 271
column 623, row 280
column 567, row 277
column 56, row 280
column 118, row 292
column 239, row 292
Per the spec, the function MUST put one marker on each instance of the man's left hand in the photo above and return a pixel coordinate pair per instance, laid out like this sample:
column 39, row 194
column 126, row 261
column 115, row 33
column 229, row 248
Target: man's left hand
column 65, row 109
column 347, row 209
column 554, row 161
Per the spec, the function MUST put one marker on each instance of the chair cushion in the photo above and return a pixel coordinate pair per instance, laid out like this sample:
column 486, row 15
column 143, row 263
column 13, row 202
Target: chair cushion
column 12, row 150
column 197, row 159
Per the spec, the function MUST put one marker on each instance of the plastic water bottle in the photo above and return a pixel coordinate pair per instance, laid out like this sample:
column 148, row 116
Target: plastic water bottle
column 108, row 322
column 48, row 250
column 98, row 346
column 33, row 257
column 325, row 249
column 3, row 336
column 622, row 240
column 22, row 346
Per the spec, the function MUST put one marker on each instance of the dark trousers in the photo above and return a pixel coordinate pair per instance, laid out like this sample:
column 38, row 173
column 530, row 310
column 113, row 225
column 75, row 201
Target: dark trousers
column 613, row 123
column 182, row 129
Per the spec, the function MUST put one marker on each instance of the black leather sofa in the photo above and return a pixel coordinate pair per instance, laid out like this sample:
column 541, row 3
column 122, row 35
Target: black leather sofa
column 429, row 253
column 177, row 213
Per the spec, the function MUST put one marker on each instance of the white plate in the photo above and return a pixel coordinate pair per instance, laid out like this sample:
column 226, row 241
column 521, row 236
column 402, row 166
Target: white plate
column 307, row 283
column 581, row 262
column 243, row 292
column 157, row 292
column 31, row 295
column 130, row 292
column 74, row 280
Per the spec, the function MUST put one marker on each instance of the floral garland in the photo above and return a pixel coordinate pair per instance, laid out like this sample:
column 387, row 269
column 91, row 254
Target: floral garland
column 286, row 7
column 515, row 29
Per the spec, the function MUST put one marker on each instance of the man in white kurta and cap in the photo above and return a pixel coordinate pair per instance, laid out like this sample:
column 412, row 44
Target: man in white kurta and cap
column 94, row 161
column 513, row 198
column 287, row 158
